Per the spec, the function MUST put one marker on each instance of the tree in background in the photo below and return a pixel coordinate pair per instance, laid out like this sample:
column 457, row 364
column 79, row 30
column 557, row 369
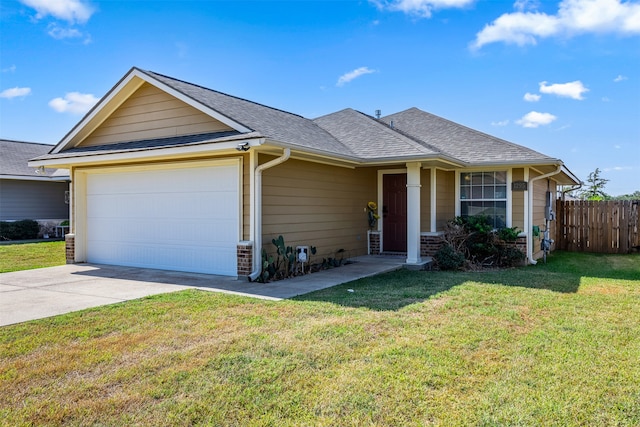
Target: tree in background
column 595, row 187
column 633, row 196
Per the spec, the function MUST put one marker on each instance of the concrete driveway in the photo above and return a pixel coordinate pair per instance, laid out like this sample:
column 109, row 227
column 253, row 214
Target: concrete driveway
column 36, row 294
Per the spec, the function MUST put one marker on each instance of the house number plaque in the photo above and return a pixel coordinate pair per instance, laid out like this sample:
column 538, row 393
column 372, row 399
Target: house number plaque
column 519, row 186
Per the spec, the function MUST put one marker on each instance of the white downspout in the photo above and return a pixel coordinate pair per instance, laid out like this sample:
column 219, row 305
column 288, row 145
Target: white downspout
column 530, row 196
column 257, row 203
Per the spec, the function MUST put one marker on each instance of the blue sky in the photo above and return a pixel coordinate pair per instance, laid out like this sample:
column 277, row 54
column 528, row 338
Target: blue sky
column 561, row 77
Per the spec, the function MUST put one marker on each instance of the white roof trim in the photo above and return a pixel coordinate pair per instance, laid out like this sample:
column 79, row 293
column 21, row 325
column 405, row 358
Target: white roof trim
column 90, row 157
column 94, row 111
column 35, row 178
column 136, row 73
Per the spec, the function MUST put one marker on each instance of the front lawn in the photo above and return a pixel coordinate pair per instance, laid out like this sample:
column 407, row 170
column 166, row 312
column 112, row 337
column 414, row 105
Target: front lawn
column 554, row 344
column 26, row 256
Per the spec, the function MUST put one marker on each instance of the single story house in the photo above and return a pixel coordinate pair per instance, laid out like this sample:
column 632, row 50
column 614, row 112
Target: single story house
column 171, row 175
column 39, row 194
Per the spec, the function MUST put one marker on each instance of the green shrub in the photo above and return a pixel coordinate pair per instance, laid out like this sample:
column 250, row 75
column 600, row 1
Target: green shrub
column 448, row 258
column 510, row 256
column 19, row 230
column 474, row 239
column 508, row 234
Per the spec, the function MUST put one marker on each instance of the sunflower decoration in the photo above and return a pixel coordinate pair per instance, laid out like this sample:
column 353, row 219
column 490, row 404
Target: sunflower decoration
column 372, row 213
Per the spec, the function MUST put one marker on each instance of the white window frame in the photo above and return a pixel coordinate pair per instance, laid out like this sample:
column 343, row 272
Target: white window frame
column 509, row 203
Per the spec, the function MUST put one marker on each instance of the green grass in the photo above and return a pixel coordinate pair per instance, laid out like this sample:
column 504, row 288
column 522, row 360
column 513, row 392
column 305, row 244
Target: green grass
column 555, row 344
column 27, row 256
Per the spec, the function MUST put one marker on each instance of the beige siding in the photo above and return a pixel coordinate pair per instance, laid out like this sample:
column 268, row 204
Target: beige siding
column 425, row 200
column 446, row 198
column 246, row 197
column 539, row 193
column 518, row 201
column 317, row 205
column 151, row 113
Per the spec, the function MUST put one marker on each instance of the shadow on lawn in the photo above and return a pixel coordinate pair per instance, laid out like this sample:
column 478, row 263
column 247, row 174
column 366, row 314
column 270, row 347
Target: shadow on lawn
column 562, row 273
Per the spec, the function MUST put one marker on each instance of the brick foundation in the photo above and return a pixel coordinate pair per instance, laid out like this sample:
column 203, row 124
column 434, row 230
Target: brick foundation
column 374, row 242
column 70, row 248
column 429, row 244
column 245, row 258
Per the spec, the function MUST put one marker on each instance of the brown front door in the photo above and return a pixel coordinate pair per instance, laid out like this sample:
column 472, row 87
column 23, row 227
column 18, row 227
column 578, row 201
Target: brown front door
column 394, row 213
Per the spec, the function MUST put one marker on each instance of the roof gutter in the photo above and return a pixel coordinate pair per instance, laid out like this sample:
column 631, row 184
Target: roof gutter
column 363, row 161
column 530, row 219
column 257, row 203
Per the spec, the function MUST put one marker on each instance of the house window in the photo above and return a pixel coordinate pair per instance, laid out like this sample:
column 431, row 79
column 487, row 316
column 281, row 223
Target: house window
column 484, row 193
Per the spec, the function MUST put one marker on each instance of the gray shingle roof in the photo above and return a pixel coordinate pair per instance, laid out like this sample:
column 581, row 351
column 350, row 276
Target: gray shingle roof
column 14, row 156
column 272, row 123
column 369, row 138
column 458, row 141
column 346, row 134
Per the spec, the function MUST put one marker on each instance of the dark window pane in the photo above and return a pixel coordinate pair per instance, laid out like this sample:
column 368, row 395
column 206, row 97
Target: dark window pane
column 465, row 192
column 487, row 178
column 476, row 192
column 488, row 192
column 464, row 208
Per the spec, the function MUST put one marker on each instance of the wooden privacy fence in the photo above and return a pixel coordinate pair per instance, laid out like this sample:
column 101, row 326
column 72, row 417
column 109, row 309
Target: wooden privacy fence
column 598, row 226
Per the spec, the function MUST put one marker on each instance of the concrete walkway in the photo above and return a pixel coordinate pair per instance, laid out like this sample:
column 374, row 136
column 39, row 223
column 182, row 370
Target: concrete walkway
column 35, row 294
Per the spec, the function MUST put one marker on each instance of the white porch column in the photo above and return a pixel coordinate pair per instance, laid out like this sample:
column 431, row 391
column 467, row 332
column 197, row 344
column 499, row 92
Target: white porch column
column 434, row 200
column 413, row 213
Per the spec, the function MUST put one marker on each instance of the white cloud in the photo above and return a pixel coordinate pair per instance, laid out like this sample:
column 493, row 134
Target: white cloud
column 74, row 102
column 531, row 97
column 60, row 33
column 534, row 119
column 522, row 5
column 620, row 78
column 9, row 69
column 72, row 11
column 573, row 17
column 572, row 90
column 420, row 8
column 15, row 92
column 500, row 123
column 351, row 75
column 617, row 169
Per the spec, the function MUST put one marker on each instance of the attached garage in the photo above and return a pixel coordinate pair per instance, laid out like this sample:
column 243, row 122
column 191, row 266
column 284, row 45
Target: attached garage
column 177, row 216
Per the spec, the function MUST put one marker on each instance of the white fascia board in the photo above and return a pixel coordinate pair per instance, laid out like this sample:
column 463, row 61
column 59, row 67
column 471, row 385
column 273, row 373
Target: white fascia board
column 143, row 77
column 35, row 178
column 195, row 104
column 86, row 120
column 142, row 154
column 512, row 164
column 314, row 152
column 359, row 161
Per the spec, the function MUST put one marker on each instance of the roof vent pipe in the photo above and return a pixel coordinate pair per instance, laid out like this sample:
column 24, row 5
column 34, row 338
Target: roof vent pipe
column 378, row 114
column 391, row 124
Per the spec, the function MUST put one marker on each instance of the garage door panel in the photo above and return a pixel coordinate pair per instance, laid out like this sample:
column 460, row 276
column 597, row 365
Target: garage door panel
column 177, row 219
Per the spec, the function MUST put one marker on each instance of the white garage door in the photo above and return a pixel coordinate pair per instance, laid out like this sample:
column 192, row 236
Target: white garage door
column 171, row 218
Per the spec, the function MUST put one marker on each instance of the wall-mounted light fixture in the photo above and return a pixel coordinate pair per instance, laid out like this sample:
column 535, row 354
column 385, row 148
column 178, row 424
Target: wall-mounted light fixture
column 243, row 146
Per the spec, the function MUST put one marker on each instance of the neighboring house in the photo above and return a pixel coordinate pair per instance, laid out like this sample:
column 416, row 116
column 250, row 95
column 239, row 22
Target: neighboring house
column 31, row 193
column 171, row 175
